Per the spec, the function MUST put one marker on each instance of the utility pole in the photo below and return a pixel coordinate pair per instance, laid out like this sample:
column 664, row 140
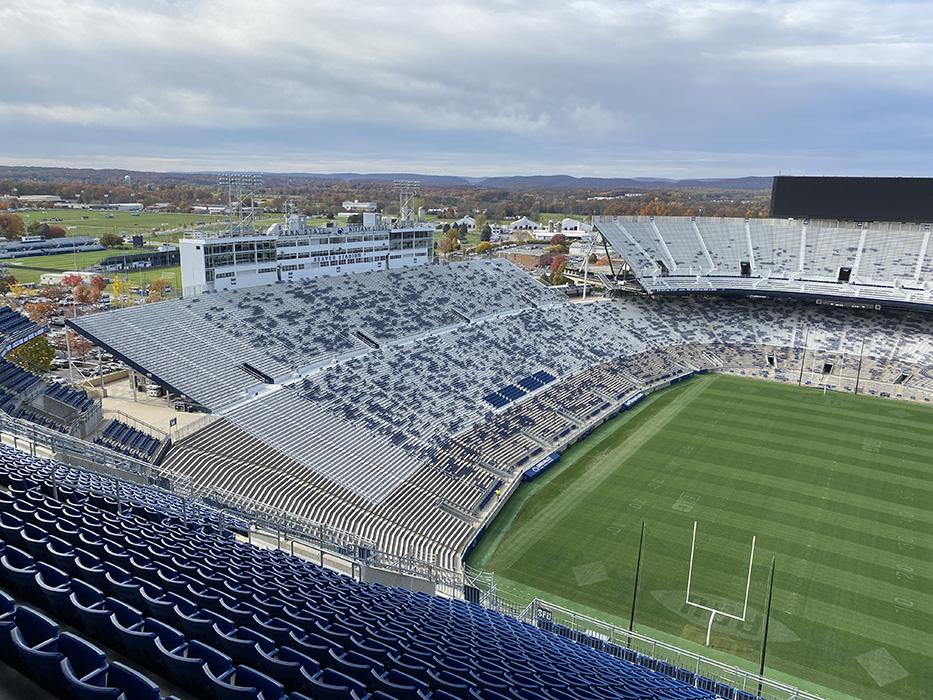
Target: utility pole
column 71, row 370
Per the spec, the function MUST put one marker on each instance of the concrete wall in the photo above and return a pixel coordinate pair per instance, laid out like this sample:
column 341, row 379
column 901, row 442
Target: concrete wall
column 390, row 578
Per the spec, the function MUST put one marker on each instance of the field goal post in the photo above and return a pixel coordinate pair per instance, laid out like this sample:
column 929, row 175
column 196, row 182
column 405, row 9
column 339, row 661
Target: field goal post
column 713, row 612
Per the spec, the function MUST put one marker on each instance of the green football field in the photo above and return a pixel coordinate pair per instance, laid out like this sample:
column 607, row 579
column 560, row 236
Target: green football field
column 837, row 488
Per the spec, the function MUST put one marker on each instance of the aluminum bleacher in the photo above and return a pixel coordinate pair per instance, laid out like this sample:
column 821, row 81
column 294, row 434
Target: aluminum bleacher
column 376, row 443
column 885, row 262
column 202, row 344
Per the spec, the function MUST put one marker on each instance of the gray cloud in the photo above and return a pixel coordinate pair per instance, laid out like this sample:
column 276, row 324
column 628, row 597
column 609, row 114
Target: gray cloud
column 588, row 87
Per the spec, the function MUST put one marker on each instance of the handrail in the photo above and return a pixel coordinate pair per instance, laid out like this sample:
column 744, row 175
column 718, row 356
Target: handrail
column 613, row 639
column 134, row 422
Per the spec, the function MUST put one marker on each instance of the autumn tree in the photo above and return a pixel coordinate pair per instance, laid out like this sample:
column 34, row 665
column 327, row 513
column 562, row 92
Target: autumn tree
column 80, row 346
column 40, row 311
column 446, row 246
column 99, row 284
column 156, row 289
column 36, row 355
column 72, row 280
column 11, row 225
column 83, row 294
column 56, row 232
column 7, row 281
column 55, row 292
column 38, row 228
column 111, row 240
column 559, row 239
column 558, row 266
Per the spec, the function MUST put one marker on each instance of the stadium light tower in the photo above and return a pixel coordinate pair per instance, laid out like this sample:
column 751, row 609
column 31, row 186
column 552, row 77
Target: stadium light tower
column 587, row 252
column 241, row 188
column 407, row 191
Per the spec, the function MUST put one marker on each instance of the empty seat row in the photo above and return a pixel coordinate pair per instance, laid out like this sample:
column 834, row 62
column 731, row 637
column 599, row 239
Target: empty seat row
column 201, row 610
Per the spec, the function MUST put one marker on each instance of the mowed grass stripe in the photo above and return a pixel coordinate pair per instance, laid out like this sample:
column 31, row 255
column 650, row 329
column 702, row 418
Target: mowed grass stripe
column 858, row 524
column 860, row 444
column 851, row 529
column 772, row 517
column 828, row 431
column 865, row 576
column 829, row 428
column 822, row 491
column 521, row 540
column 821, row 464
column 814, row 404
column 872, row 567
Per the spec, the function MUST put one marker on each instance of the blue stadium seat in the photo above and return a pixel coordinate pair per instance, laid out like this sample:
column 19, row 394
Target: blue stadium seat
column 7, row 623
column 156, row 589
column 18, row 571
column 243, row 645
column 82, row 668
column 55, row 586
column 334, row 685
column 34, row 640
column 89, row 609
column 188, row 664
column 400, row 685
column 292, row 668
column 245, row 683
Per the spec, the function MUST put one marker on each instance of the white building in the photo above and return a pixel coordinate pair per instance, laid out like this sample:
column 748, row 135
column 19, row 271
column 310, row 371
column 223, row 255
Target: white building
column 357, row 206
column 468, row 220
column 575, row 226
column 213, row 209
column 291, row 251
column 524, row 224
column 38, row 199
column 127, row 206
column 55, row 278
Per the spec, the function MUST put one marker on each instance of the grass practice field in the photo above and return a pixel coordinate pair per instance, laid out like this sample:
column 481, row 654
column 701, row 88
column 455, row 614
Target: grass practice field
column 94, row 223
column 838, row 488
column 30, row 270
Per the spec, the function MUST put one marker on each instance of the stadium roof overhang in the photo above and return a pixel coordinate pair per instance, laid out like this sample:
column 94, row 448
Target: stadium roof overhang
column 130, row 363
column 852, row 302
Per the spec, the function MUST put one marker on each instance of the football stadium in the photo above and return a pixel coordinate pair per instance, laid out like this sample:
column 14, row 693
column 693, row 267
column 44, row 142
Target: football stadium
column 712, row 479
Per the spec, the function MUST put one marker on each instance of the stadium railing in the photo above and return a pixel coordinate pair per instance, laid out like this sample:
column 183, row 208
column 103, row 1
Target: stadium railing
column 76, row 451
column 320, row 536
column 136, row 423
column 326, row 539
column 632, row 645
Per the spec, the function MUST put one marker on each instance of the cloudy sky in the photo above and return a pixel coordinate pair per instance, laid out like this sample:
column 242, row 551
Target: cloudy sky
column 591, row 87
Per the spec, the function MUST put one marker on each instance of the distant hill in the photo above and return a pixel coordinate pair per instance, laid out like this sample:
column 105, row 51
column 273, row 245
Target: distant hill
column 554, row 182
column 513, row 182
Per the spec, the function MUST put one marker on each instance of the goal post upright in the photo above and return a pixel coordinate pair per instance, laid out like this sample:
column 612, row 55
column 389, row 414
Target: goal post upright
column 714, row 611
